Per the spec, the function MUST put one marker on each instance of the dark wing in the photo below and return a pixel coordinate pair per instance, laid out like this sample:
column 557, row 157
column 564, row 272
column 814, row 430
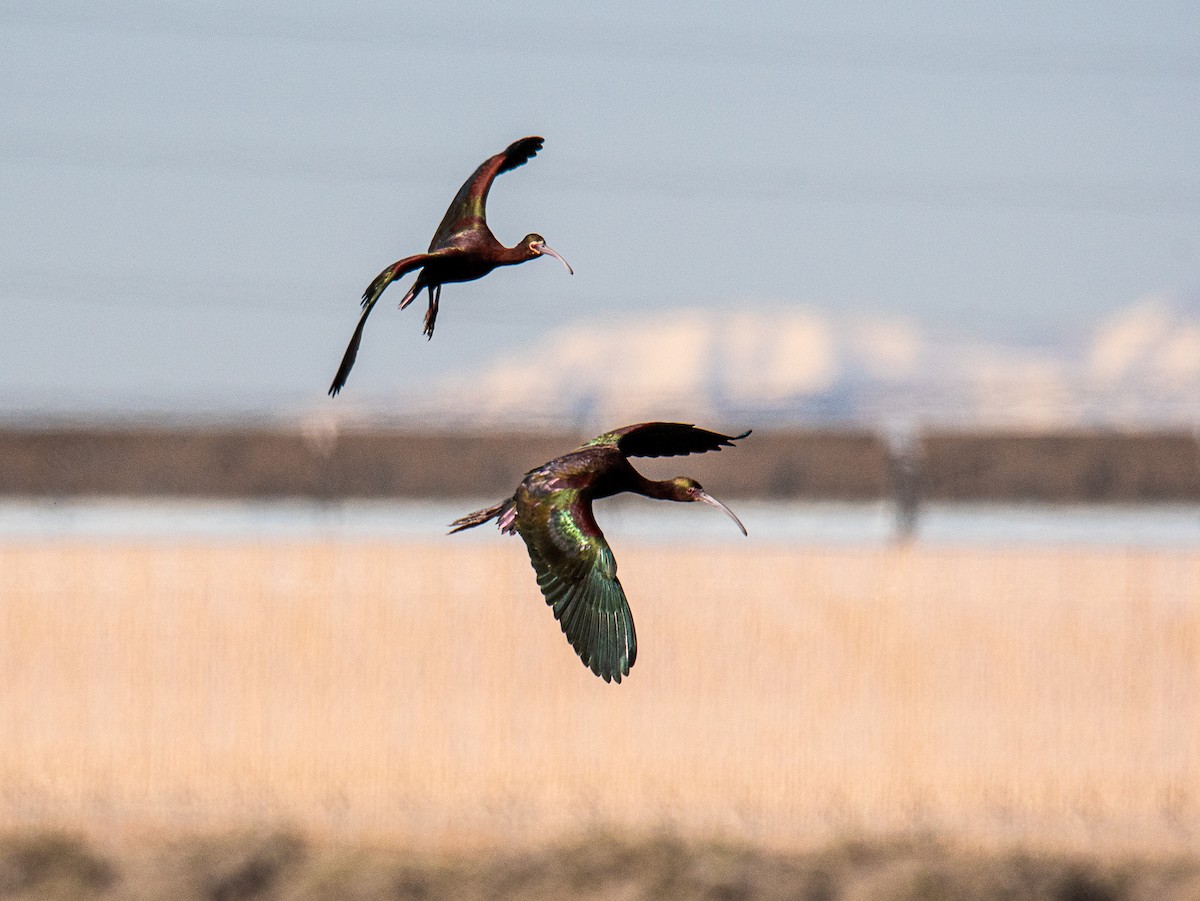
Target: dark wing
column 664, row 439
column 468, row 209
column 397, row 270
column 577, row 573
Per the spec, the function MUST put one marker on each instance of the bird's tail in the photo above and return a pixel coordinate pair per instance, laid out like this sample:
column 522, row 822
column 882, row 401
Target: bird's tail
column 369, row 299
column 505, row 512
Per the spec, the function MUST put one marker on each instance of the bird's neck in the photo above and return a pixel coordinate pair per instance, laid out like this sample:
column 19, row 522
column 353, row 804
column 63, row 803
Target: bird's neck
column 510, row 256
column 666, row 490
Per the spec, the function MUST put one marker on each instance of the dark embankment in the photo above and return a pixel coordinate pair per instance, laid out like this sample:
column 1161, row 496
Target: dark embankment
column 244, row 463
column 825, row 464
column 1131, row 467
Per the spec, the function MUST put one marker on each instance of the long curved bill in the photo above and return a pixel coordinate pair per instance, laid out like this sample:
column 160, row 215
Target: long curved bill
column 709, row 499
column 557, row 256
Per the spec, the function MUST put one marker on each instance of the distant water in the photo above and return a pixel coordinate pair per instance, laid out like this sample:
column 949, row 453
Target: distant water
column 631, row 519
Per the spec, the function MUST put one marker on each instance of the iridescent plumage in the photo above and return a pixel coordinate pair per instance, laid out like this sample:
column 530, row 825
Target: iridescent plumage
column 463, row 249
column 576, row 571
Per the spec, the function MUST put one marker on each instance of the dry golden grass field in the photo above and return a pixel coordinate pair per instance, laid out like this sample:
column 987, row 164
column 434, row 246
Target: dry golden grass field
column 422, row 696
column 425, row 692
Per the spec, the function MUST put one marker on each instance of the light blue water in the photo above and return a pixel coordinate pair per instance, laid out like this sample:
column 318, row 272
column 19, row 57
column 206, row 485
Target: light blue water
column 629, row 519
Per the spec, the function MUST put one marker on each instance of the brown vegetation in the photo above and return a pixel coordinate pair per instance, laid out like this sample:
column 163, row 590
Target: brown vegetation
column 423, row 694
column 40, row 867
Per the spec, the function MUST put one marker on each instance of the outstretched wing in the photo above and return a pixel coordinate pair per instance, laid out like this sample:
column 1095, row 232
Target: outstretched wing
column 370, row 297
column 664, row 439
column 577, row 573
column 468, row 209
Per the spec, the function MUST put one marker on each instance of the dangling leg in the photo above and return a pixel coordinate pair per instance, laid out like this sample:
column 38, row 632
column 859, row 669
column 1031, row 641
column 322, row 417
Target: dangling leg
column 411, row 294
column 435, row 294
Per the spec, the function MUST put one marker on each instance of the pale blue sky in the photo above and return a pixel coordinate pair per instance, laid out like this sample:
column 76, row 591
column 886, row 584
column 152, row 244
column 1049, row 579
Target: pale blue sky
column 195, row 194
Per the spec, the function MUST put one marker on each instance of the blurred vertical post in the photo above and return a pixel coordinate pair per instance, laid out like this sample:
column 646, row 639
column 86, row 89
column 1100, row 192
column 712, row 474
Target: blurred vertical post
column 904, row 463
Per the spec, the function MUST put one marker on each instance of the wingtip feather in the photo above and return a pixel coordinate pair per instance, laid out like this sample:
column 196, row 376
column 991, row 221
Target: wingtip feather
column 519, row 152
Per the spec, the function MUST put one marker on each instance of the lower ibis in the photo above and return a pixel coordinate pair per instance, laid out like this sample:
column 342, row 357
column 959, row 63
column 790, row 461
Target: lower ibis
column 576, row 571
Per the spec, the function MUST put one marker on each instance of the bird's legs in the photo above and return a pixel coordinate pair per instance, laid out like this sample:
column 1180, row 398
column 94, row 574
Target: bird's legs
column 435, row 294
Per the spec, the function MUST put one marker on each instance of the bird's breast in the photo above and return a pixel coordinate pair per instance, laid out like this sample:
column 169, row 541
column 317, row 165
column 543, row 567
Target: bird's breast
column 465, row 267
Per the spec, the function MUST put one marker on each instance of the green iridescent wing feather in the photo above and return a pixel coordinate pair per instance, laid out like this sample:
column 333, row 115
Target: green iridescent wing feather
column 577, row 574
column 467, row 211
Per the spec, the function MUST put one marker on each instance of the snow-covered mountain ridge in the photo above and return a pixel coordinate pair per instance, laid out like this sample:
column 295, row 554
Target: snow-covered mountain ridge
column 1140, row 366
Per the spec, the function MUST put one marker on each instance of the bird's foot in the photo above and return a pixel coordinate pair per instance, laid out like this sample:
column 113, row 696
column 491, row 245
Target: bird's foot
column 431, row 313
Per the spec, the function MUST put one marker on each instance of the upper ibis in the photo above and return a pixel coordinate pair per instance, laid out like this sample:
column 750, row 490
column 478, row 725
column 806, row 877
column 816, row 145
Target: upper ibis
column 552, row 511
column 463, row 249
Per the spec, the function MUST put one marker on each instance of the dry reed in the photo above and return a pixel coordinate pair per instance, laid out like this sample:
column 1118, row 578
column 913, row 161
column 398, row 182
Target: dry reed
column 423, row 694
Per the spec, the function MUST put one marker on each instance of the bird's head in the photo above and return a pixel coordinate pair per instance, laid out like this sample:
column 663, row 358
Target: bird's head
column 686, row 489
column 536, row 246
